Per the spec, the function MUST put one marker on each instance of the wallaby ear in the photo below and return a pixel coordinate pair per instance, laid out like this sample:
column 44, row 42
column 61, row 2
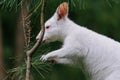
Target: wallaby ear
column 62, row 10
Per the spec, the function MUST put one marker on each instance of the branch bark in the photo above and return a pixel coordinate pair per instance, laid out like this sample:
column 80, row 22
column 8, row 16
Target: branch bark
column 21, row 32
column 31, row 51
column 19, row 44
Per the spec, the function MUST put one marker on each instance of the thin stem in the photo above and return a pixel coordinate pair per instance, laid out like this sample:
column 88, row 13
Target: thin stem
column 31, row 51
column 23, row 23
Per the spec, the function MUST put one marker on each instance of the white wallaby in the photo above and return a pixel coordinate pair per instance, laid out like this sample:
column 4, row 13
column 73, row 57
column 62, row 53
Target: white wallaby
column 99, row 54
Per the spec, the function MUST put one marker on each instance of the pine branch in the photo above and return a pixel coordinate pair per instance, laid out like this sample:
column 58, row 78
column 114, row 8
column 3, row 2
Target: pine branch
column 31, row 51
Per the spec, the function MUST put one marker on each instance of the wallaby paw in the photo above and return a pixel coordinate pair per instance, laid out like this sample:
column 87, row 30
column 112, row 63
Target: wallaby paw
column 46, row 58
column 43, row 58
column 52, row 60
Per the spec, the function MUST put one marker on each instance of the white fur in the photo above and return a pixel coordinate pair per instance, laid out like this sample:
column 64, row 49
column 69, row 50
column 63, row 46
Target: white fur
column 99, row 54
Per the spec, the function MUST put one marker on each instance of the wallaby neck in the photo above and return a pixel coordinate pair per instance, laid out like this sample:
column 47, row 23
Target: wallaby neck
column 68, row 27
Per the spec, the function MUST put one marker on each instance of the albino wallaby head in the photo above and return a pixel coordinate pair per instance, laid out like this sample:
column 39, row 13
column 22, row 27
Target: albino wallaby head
column 54, row 26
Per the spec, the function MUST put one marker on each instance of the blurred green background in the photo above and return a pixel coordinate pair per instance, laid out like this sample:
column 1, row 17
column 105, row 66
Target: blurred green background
column 102, row 16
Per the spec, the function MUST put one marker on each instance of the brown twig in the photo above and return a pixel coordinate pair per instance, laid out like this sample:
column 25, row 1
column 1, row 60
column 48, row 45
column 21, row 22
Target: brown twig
column 29, row 52
column 23, row 14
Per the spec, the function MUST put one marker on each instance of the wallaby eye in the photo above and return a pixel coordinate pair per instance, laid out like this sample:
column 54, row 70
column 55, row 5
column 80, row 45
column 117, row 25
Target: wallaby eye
column 47, row 27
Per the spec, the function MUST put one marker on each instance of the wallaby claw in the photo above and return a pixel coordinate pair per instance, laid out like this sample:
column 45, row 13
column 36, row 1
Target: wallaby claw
column 44, row 58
